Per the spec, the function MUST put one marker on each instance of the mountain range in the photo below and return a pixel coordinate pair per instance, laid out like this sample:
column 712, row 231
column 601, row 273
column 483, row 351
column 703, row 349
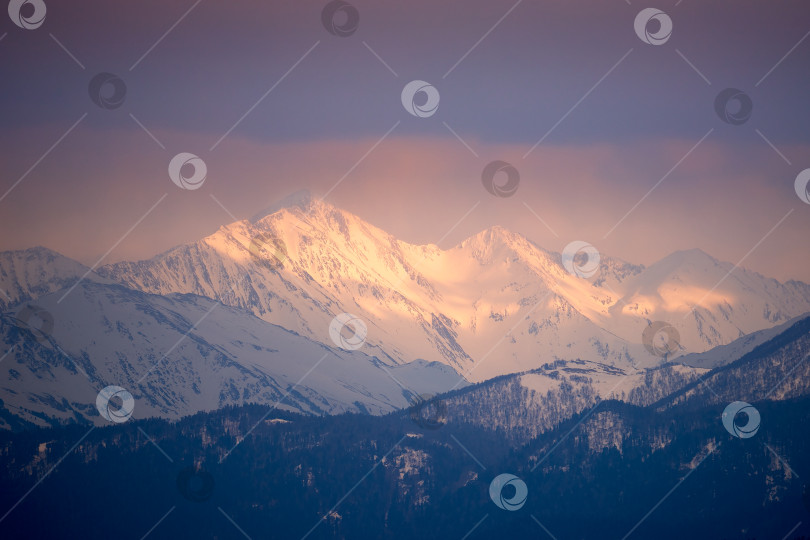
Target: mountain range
column 454, row 305
column 243, row 315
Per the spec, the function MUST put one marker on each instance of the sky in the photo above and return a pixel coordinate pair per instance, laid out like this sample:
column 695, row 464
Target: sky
column 616, row 141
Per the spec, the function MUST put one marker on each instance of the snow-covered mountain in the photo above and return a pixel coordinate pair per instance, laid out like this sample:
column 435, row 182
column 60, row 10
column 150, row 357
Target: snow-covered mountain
column 180, row 354
column 30, row 273
column 710, row 302
column 494, row 304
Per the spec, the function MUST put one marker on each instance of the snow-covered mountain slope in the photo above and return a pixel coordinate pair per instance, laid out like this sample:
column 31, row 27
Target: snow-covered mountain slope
column 494, row 304
column 179, row 354
column 30, row 273
column 724, row 354
column 710, row 302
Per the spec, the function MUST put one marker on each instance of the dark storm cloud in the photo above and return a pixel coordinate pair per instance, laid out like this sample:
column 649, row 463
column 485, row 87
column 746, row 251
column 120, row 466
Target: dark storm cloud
column 514, row 86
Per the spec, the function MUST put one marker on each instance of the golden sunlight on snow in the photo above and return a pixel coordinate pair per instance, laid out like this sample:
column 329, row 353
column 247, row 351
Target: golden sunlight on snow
column 670, row 300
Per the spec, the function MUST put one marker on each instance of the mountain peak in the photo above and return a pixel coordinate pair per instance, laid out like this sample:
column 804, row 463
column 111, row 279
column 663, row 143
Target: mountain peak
column 694, row 254
column 491, row 235
column 301, row 199
column 685, row 260
column 28, row 273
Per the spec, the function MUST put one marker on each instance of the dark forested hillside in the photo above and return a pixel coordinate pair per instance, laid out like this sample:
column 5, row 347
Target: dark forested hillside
column 355, row 476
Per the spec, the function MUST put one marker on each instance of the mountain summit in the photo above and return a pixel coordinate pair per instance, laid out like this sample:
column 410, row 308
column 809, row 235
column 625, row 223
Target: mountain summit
column 300, row 199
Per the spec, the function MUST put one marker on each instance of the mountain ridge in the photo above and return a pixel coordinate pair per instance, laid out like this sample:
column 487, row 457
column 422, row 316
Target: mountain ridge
column 452, row 305
column 495, row 292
